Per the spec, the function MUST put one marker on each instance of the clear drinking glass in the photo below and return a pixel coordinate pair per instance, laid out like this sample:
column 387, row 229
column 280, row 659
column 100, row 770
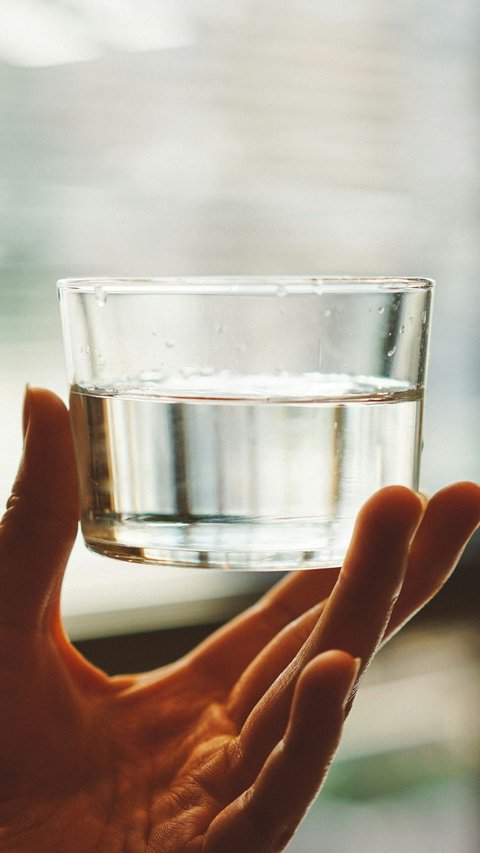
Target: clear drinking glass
column 240, row 422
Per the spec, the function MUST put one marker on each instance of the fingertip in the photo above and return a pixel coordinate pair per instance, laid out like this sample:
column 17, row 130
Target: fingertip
column 450, row 519
column 393, row 506
column 459, row 502
column 334, row 670
column 398, row 496
column 376, row 559
column 466, row 494
column 40, row 524
column 42, row 400
column 46, row 484
column 44, row 406
column 333, row 659
column 26, row 410
column 322, row 693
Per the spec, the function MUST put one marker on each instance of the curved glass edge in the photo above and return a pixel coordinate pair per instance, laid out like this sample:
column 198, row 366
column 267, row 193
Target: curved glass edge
column 252, row 285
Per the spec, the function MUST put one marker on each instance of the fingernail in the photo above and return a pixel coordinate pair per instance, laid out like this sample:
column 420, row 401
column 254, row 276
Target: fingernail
column 26, row 411
column 357, row 663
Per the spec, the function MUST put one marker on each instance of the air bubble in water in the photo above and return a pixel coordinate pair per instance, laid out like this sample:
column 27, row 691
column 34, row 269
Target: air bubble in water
column 281, row 291
column 391, row 351
column 381, row 309
column 327, row 312
column 169, row 343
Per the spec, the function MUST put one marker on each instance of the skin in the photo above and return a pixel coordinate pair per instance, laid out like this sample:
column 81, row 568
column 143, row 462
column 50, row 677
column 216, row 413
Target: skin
column 224, row 750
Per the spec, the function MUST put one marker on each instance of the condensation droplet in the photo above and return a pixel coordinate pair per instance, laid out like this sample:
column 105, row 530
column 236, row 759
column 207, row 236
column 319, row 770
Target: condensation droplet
column 100, row 296
column 424, row 317
column 192, row 370
column 219, row 328
column 410, row 320
column 381, row 309
column 391, row 351
column 281, row 290
column 402, row 330
column 169, row 343
column 327, row 312
column 206, row 371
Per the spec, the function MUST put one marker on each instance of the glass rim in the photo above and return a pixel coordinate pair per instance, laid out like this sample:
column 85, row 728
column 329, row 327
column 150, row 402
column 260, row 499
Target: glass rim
column 232, row 285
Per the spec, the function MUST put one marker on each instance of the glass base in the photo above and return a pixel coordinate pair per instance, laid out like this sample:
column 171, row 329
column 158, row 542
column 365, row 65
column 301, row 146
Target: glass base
column 240, row 545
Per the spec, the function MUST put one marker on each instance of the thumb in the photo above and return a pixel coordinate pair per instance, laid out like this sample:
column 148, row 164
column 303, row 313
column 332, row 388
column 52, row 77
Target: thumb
column 40, row 524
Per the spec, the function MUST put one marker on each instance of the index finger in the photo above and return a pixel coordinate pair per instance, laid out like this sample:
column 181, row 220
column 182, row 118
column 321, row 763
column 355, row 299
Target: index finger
column 357, row 613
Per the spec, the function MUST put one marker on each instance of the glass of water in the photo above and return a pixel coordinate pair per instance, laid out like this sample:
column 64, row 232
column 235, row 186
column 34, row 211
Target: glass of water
column 241, row 422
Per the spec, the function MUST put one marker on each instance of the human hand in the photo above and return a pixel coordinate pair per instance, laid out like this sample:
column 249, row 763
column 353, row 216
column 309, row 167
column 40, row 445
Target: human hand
column 223, row 751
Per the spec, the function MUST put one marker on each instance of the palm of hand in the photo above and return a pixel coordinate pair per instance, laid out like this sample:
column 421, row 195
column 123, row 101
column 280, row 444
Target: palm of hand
column 157, row 761
column 223, row 751
column 136, row 763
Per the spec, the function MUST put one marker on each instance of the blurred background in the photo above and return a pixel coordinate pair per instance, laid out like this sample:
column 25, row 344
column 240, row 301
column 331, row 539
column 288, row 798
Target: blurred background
column 165, row 137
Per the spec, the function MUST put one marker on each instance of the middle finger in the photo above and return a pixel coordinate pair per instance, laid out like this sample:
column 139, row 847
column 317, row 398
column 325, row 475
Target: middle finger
column 355, row 616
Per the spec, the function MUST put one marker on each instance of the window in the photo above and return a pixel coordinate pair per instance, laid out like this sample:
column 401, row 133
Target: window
column 261, row 136
column 213, row 136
